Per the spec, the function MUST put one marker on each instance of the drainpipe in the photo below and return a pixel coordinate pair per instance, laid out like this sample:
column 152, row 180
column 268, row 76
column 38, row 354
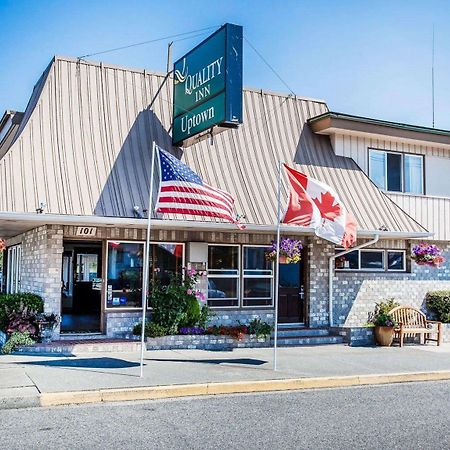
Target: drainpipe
column 331, row 273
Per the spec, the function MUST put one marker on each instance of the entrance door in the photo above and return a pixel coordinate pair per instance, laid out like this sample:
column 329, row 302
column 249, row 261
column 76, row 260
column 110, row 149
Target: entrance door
column 290, row 298
column 81, row 287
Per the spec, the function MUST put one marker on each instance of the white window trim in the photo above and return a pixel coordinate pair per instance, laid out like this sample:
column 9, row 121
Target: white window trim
column 387, row 260
column 402, row 155
column 244, row 276
column 218, row 275
column 14, row 269
column 372, row 250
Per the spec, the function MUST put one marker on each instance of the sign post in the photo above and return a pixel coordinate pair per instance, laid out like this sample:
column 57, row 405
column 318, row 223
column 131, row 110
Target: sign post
column 207, row 90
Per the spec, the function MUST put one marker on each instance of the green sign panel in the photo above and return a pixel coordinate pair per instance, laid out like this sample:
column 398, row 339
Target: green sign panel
column 207, row 87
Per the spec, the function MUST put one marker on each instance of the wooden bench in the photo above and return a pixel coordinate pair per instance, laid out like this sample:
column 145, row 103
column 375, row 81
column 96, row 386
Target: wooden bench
column 411, row 321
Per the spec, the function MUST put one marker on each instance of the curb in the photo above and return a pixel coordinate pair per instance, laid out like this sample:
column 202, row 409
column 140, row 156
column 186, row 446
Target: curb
column 235, row 387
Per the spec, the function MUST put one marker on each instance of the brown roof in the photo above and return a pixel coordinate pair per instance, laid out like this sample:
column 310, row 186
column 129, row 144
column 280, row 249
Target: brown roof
column 84, row 148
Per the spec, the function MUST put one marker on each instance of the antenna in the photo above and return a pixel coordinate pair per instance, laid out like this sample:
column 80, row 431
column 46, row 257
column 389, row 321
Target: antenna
column 432, row 77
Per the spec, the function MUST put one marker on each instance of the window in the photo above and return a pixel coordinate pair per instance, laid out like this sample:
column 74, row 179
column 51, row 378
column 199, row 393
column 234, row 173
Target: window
column 14, row 266
column 125, row 269
column 257, row 277
column 372, row 260
column 396, row 172
column 396, row 260
column 223, row 275
column 166, row 261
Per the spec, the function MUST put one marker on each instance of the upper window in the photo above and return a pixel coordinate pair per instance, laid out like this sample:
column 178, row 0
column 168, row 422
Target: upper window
column 396, row 172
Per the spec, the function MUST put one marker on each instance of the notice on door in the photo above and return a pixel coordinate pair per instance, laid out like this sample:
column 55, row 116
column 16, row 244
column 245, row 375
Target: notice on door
column 86, row 231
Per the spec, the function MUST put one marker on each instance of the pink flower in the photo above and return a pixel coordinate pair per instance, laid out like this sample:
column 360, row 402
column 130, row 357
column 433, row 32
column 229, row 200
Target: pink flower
column 189, row 291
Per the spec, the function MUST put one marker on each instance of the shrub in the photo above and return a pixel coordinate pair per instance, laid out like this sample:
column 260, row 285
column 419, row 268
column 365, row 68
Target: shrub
column 236, row 332
column 439, row 302
column 152, row 330
column 17, row 339
column 10, row 303
column 260, row 328
column 23, row 320
column 205, row 314
column 191, row 313
column 381, row 316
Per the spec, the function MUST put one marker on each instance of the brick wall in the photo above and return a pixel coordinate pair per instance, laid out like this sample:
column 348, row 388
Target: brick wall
column 355, row 294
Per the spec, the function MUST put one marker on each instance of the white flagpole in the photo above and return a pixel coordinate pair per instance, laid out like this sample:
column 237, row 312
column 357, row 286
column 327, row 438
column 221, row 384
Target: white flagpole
column 147, row 259
column 277, row 270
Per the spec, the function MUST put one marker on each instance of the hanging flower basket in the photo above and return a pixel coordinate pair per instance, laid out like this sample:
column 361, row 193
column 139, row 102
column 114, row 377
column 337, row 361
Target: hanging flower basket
column 427, row 255
column 290, row 251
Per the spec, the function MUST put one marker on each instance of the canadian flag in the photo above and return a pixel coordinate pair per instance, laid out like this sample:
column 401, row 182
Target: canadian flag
column 315, row 204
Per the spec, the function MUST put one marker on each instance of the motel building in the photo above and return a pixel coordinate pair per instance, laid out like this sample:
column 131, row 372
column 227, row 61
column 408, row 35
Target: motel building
column 75, row 180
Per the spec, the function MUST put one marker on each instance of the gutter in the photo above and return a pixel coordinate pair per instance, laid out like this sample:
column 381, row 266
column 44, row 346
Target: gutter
column 27, row 221
column 331, row 261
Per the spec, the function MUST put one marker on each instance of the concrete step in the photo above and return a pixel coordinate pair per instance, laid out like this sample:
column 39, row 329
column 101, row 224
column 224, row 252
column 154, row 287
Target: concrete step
column 312, row 340
column 302, row 332
column 81, row 336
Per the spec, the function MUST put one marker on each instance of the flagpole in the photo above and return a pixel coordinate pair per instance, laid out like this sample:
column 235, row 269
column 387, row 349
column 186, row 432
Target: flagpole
column 147, row 260
column 277, row 269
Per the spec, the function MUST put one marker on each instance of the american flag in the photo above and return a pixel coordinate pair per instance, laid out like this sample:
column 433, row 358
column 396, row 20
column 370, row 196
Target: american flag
column 182, row 191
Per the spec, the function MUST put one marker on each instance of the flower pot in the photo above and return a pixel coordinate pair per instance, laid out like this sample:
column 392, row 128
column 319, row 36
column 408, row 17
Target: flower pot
column 384, row 336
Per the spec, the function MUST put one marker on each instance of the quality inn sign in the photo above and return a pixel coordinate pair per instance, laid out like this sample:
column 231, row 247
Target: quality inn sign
column 208, row 87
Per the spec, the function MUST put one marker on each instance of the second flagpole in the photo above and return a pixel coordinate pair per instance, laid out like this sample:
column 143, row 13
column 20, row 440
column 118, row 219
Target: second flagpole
column 147, row 259
column 277, row 270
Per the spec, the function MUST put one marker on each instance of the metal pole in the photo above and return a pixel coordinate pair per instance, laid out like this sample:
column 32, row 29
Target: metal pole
column 147, row 259
column 277, row 270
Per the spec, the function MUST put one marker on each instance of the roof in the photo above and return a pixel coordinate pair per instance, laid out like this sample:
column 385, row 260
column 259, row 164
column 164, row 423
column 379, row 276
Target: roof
column 9, row 125
column 334, row 122
column 84, row 148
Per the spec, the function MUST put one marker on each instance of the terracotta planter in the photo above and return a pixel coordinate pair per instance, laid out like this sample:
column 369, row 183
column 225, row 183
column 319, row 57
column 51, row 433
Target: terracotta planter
column 384, row 336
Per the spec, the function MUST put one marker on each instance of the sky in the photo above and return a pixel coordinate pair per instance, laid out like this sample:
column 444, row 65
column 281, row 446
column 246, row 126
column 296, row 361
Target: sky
column 368, row 58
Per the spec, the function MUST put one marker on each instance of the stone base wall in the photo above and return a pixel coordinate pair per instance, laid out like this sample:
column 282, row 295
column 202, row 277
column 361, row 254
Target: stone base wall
column 205, row 342
column 120, row 324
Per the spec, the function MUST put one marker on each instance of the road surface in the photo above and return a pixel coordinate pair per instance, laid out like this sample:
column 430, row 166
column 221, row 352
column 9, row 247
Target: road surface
column 402, row 416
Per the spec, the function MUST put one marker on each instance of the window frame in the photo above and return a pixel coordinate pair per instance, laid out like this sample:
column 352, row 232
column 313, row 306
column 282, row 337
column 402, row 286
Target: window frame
column 385, row 268
column 128, row 308
column 387, row 260
column 145, row 255
column 403, row 175
column 244, row 276
column 14, row 269
column 237, row 276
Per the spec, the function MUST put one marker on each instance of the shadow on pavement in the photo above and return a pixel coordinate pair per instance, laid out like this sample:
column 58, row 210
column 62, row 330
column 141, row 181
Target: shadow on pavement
column 246, row 361
column 86, row 363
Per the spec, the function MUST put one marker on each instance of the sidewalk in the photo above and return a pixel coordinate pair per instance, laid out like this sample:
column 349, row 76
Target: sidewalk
column 26, row 380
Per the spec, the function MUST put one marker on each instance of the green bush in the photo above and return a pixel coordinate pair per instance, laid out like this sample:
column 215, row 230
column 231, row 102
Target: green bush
column 10, row 303
column 152, row 330
column 191, row 314
column 205, row 314
column 17, row 339
column 439, row 302
column 260, row 328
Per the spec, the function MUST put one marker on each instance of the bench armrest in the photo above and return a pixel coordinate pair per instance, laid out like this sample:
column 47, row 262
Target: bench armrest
column 434, row 321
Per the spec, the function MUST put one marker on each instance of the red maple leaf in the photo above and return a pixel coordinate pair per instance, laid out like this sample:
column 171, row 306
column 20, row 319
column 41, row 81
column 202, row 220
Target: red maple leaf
column 328, row 210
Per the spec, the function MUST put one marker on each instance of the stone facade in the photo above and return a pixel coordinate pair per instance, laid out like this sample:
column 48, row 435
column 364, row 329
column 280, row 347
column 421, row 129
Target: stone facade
column 355, row 293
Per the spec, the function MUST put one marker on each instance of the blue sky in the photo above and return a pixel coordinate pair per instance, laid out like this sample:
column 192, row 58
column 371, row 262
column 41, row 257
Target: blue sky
column 369, row 58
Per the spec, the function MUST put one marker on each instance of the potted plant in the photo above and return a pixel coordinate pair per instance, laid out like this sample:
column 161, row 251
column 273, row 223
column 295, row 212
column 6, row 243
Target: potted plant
column 47, row 324
column 383, row 323
column 427, row 255
column 290, row 251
